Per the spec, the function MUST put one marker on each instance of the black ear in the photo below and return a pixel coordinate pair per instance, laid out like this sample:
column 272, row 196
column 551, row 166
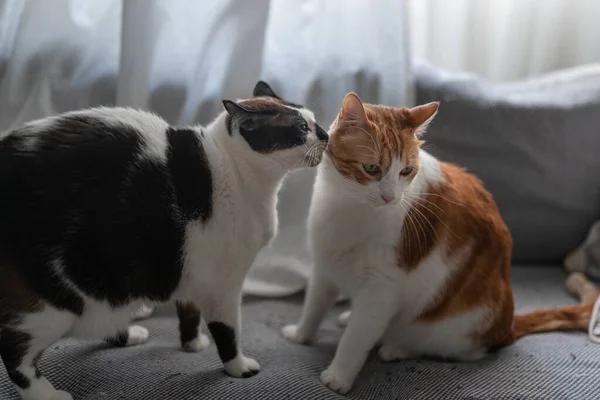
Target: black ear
column 244, row 117
column 263, row 89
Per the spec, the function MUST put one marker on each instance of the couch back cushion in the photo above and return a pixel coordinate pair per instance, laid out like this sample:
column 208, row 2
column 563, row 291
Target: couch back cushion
column 535, row 144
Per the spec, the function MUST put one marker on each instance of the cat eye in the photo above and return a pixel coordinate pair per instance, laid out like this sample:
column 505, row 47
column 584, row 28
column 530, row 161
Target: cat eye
column 371, row 169
column 406, row 171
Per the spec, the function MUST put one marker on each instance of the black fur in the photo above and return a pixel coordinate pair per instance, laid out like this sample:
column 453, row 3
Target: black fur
column 13, row 347
column 190, row 172
column 321, row 133
column 262, row 89
column 189, row 322
column 225, row 340
column 116, row 221
column 120, row 339
column 268, row 127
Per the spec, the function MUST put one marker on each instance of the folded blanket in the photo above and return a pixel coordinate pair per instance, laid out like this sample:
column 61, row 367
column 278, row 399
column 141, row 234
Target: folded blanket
column 586, row 258
column 584, row 267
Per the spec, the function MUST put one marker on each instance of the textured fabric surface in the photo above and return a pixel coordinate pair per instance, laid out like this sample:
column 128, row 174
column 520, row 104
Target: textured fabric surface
column 535, row 144
column 546, row 366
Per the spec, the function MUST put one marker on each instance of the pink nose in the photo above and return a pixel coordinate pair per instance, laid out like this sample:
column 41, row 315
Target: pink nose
column 388, row 197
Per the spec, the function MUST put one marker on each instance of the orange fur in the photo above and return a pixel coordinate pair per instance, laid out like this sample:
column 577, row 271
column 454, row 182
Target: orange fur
column 562, row 318
column 458, row 213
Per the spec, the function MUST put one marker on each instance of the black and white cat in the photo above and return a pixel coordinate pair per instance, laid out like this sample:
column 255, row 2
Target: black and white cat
column 106, row 209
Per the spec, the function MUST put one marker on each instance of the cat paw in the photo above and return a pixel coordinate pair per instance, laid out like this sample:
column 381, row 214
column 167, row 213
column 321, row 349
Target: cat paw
column 60, row 395
column 143, row 312
column 344, row 318
column 393, row 353
column 137, row 335
column 242, row 367
column 293, row 334
column 336, row 381
column 197, row 344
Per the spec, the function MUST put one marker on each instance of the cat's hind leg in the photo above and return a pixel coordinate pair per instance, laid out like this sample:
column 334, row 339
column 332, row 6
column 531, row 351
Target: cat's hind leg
column 131, row 336
column 190, row 335
column 22, row 340
column 343, row 318
column 143, row 312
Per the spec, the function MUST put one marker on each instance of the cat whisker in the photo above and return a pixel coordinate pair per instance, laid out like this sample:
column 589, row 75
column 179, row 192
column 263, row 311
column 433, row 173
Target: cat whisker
column 439, row 195
column 434, row 214
column 418, row 198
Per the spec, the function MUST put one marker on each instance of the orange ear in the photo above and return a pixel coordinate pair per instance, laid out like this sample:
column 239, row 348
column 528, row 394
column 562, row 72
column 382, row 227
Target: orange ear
column 421, row 116
column 353, row 110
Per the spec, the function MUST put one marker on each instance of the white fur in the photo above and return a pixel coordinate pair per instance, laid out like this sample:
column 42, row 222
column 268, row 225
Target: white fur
column 218, row 253
column 354, row 235
column 197, row 344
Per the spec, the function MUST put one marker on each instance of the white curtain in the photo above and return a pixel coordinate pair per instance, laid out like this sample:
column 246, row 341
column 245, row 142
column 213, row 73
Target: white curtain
column 181, row 57
column 505, row 39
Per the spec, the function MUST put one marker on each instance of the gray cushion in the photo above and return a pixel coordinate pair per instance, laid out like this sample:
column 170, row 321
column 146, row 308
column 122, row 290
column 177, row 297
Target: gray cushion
column 555, row 365
column 535, row 144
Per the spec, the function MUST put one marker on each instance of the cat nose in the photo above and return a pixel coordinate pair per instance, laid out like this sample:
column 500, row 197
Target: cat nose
column 321, row 134
column 388, row 197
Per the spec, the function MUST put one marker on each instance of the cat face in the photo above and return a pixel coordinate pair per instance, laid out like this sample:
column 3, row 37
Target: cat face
column 376, row 148
column 276, row 129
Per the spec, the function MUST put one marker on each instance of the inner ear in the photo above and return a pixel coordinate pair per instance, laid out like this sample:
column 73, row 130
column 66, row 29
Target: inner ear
column 353, row 110
column 262, row 88
column 420, row 116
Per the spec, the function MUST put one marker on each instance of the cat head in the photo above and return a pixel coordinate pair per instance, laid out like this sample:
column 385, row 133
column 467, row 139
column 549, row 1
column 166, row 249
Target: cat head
column 277, row 130
column 376, row 148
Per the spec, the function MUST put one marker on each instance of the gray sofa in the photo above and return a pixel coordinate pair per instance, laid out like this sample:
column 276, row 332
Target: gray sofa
column 536, row 145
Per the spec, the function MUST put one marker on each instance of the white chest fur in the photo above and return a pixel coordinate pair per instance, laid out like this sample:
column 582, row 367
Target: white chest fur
column 243, row 221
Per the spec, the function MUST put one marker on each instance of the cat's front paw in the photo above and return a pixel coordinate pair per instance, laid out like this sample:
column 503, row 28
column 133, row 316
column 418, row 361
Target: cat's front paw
column 242, row 367
column 145, row 311
column 393, row 353
column 336, row 381
column 137, row 335
column 197, row 344
column 293, row 334
column 344, row 318
column 60, row 395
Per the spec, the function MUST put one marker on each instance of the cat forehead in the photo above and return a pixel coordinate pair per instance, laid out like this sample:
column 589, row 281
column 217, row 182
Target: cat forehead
column 272, row 104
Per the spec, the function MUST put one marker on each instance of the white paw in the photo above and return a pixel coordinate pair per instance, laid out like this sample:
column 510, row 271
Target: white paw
column 242, row 367
column 344, row 318
column 60, row 395
column 336, row 381
column 143, row 312
column 292, row 333
column 393, row 353
column 137, row 335
column 197, row 344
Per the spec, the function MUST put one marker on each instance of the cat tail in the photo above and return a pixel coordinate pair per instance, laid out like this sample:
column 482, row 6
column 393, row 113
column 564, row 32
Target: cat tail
column 555, row 319
column 575, row 317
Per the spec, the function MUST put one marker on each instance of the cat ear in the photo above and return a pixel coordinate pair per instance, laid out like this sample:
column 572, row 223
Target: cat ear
column 421, row 116
column 263, row 89
column 244, row 117
column 353, row 110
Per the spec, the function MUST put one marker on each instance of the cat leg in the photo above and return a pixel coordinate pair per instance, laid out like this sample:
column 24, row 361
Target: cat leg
column 145, row 311
column 220, row 304
column 320, row 297
column 132, row 336
column 21, row 346
column 344, row 317
column 390, row 352
column 372, row 309
column 192, row 339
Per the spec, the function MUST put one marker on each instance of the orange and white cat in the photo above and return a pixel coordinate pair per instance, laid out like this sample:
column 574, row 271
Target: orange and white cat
column 417, row 244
